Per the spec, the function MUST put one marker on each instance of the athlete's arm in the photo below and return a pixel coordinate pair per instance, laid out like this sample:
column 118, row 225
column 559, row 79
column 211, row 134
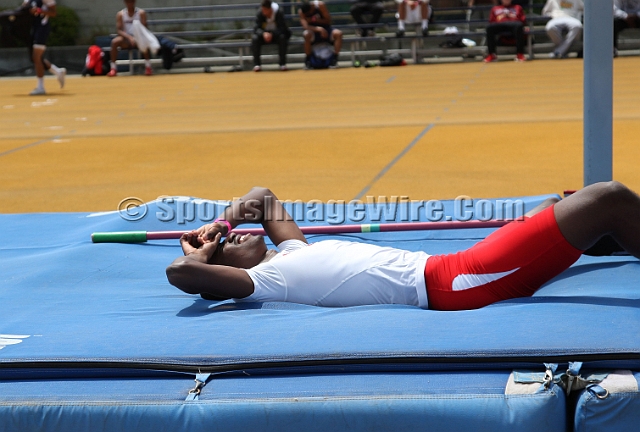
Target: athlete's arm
column 193, row 275
column 49, row 12
column 310, row 27
column 143, row 18
column 326, row 16
column 521, row 16
column 303, row 20
column 259, row 205
column 120, row 28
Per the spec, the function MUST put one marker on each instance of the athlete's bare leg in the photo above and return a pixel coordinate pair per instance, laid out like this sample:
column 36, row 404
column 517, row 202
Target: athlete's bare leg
column 337, row 40
column 424, row 10
column 118, row 42
column 543, row 205
column 402, row 11
column 38, row 64
column 308, row 39
column 598, row 210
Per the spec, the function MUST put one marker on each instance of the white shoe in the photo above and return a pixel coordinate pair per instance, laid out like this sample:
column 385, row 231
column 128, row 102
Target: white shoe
column 61, row 76
column 257, row 68
column 37, row 92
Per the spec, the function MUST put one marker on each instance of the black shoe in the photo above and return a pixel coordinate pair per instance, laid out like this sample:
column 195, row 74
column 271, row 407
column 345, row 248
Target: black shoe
column 425, row 32
column 399, row 33
column 333, row 64
column 179, row 55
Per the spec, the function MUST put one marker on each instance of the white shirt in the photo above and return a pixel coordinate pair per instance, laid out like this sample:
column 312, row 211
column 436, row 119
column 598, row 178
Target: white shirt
column 624, row 8
column 271, row 22
column 127, row 21
column 563, row 9
column 338, row 273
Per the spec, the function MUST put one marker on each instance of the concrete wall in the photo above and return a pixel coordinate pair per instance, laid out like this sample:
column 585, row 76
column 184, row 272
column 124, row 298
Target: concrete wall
column 97, row 17
column 16, row 62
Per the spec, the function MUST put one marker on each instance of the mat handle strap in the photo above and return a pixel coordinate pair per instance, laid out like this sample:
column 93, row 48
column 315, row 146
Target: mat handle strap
column 201, row 381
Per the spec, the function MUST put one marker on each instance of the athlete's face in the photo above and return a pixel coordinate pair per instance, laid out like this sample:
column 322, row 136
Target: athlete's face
column 240, row 251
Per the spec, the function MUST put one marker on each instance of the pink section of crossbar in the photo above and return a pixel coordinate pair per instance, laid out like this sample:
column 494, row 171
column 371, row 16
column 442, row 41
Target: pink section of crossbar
column 346, row 229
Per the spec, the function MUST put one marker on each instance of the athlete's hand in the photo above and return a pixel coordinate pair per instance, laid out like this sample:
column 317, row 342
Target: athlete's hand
column 207, row 233
column 267, row 37
column 192, row 247
column 323, row 32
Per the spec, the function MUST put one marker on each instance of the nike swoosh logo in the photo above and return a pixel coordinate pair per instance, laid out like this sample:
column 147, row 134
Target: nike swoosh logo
column 466, row 281
column 7, row 339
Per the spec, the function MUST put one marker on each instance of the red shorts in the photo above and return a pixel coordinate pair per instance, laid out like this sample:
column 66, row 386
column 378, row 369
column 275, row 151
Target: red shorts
column 514, row 261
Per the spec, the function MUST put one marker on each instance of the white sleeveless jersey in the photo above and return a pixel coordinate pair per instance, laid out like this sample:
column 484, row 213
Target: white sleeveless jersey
column 337, row 273
column 127, row 20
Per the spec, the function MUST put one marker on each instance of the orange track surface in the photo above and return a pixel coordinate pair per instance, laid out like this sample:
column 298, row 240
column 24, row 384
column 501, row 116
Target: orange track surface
column 485, row 130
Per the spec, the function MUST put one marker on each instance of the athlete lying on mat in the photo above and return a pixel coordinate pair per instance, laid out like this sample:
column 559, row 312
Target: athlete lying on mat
column 513, row 261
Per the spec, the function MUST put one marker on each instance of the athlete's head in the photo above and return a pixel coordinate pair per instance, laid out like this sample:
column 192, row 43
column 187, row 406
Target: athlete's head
column 505, row 2
column 240, row 251
column 305, row 7
column 265, row 5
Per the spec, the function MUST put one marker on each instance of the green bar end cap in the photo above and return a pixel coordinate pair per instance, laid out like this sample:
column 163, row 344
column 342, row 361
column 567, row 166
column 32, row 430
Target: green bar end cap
column 365, row 228
column 119, row 237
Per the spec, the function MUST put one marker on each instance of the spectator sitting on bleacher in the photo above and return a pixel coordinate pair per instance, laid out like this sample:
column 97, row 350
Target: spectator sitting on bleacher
column 125, row 39
column 413, row 12
column 505, row 18
column 566, row 17
column 626, row 14
column 270, row 28
column 316, row 20
column 362, row 7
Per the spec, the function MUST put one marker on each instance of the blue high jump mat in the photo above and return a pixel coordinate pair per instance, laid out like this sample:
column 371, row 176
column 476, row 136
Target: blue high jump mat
column 611, row 404
column 93, row 337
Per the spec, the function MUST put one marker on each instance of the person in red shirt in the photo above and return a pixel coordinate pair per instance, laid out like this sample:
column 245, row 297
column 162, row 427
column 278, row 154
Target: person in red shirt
column 505, row 18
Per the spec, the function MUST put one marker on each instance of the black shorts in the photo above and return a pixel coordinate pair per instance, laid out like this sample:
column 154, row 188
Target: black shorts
column 319, row 39
column 40, row 33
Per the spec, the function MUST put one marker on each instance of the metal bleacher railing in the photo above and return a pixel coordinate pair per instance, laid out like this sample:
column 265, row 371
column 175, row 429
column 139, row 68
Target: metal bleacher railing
column 223, row 37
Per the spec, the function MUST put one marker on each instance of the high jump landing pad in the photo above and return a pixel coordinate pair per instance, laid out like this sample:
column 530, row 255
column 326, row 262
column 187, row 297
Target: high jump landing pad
column 94, row 337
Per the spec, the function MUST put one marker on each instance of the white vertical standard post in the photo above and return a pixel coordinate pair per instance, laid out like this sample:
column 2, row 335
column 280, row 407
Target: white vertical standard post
column 598, row 91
